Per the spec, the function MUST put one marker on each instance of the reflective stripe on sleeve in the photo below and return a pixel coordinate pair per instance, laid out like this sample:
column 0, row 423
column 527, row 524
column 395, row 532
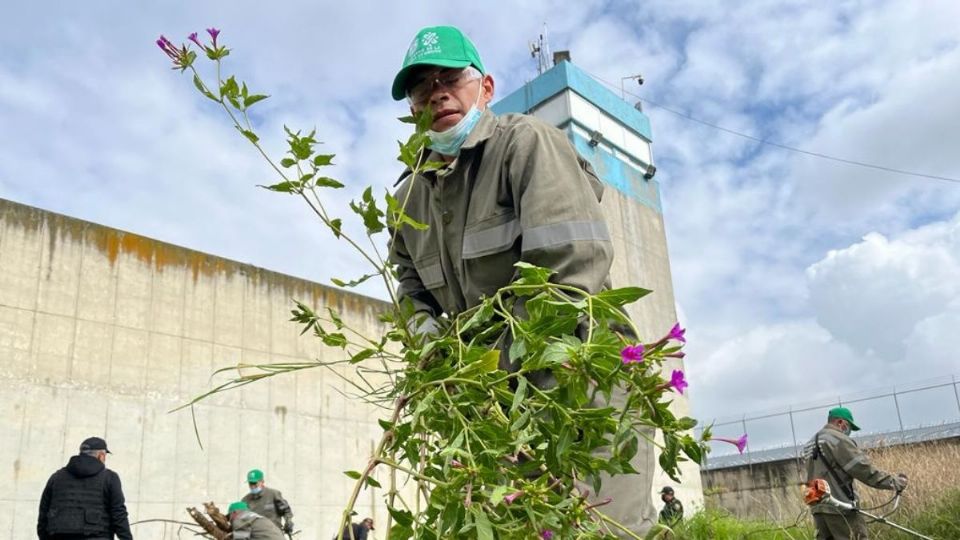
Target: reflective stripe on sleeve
column 563, row 233
column 856, row 460
column 490, row 240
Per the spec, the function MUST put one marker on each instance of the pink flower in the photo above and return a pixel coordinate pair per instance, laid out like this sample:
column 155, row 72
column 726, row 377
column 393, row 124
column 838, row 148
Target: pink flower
column 193, row 37
column 167, row 47
column 512, row 497
column 632, row 354
column 678, row 354
column 678, row 382
column 546, row 534
column 676, row 333
column 740, row 443
column 456, row 464
column 213, row 34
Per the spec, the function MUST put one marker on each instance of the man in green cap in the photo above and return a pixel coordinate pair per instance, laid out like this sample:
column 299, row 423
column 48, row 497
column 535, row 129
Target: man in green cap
column 512, row 188
column 248, row 525
column 833, row 456
column 268, row 502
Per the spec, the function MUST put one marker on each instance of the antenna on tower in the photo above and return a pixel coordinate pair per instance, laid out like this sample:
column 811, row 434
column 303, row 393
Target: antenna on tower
column 540, row 51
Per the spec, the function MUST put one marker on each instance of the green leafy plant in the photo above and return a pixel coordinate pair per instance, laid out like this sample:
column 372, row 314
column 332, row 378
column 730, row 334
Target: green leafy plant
column 494, row 452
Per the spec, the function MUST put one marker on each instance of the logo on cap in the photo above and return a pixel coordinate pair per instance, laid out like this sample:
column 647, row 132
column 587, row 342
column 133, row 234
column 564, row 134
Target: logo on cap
column 428, row 44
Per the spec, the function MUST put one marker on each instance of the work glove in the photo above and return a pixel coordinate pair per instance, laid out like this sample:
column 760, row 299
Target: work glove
column 288, row 527
column 423, row 324
column 900, row 482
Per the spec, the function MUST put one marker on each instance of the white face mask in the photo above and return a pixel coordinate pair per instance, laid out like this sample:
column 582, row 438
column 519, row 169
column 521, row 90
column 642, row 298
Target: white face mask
column 449, row 141
column 256, row 490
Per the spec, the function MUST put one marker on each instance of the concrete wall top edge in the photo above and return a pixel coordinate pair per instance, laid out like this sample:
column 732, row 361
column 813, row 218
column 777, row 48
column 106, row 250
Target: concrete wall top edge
column 114, row 242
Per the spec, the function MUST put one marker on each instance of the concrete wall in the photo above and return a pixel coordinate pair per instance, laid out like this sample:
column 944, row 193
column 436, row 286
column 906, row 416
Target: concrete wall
column 767, row 491
column 103, row 332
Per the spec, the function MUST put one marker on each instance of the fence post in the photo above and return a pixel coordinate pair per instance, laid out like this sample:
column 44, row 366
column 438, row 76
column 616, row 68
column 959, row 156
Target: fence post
column 793, row 432
column 955, row 394
column 743, row 421
column 896, row 403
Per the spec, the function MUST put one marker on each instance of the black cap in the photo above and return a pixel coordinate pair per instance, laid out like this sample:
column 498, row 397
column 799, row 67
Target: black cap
column 94, row 443
column 666, row 489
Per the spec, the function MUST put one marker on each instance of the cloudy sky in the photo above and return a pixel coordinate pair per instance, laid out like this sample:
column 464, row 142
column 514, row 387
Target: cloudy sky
column 800, row 279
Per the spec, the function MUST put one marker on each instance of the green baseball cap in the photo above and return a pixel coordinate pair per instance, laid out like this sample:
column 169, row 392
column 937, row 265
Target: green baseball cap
column 254, row 476
column 444, row 46
column 239, row 505
column 844, row 413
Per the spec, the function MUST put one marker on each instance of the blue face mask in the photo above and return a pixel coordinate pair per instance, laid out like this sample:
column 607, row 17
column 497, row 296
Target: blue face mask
column 448, row 142
column 256, row 490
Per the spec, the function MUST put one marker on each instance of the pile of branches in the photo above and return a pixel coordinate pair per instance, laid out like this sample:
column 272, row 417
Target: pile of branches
column 216, row 525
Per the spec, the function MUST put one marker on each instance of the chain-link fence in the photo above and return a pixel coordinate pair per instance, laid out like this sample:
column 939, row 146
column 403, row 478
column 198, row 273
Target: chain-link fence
column 921, row 411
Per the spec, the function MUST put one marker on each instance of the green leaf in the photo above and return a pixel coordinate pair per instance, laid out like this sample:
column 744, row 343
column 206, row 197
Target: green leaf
column 623, row 295
column 251, row 136
column 284, row 187
column 694, row 451
column 488, row 362
column 484, row 529
column 353, row 474
column 287, row 162
column 334, row 340
column 337, row 321
column 399, row 532
column 402, row 517
column 686, row 423
column 250, row 100
column 532, row 275
column 372, row 482
column 396, row 216
column 324, row 181
column 498, row 494
column 354, row 283
column 367, row 209
column 203, row 90
column 322, row 160
column 229, row 88
column 362, row 355
column 517, row 349
column 484, row 313
column 519, row 396
column 335, row 226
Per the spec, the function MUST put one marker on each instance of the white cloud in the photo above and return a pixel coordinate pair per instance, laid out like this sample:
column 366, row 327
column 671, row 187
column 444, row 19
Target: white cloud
column 874, row 294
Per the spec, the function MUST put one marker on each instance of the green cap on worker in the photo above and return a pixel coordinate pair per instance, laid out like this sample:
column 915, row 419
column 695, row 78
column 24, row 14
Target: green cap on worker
column 237, row 507
column 444, row 46
column 254, row 476
column 843, row 413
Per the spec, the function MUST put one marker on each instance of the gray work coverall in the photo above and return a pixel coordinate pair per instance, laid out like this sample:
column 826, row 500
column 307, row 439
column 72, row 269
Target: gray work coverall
column 252, row 526
column 268, row 504
column 518, row 191
column 848, row 463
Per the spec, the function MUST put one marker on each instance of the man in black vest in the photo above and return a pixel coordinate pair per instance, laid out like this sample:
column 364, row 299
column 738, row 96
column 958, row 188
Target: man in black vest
column 84, row 500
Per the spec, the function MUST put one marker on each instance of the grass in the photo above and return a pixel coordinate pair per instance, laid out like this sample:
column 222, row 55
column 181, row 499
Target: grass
column 930, row 505
column 940, row 519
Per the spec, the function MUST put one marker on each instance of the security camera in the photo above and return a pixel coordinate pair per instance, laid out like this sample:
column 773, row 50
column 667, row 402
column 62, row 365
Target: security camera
column 651, row 170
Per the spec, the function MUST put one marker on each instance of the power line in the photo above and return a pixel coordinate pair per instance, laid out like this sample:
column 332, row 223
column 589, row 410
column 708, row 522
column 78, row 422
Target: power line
column 776, row 144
